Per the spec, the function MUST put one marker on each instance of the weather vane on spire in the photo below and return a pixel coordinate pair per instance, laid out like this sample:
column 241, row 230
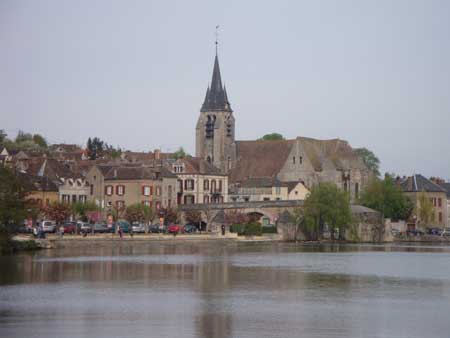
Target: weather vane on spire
column 217, row 36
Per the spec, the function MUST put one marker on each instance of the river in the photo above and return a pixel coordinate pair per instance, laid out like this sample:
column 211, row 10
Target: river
column 227, row 289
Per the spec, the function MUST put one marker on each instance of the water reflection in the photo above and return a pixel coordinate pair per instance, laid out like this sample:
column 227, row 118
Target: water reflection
column 226, row 290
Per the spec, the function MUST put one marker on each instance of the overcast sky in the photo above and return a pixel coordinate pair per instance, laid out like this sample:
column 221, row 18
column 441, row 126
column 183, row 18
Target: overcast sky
column 134, row 73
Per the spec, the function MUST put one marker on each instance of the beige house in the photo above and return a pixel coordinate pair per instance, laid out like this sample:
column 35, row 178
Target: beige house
column 267, row 189
column 72, row 190
column 117, row 186
column 199, row 182
column 414, row 186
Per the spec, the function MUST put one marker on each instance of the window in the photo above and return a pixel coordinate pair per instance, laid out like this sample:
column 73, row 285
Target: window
column 91, row 189
column 440, row 216
column 220, row 185
column 440, row 202
column 356, row 190
column 120, row 190
column 277, row 190
column 293, row 160
column 158, row 191
column 301, row 160
column 146, row 190
column 345, row 186
column 147, row 203
column 120, row 204
column 266, row 199
column 108, row 190
column 213, row 185
column 206, row 185
column 189, row 184
column 158, row 205
column 189, row 199
column 206, row 199
column 169, row 193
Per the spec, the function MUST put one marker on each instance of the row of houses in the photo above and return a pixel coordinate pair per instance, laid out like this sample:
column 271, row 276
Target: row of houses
column 159, row 181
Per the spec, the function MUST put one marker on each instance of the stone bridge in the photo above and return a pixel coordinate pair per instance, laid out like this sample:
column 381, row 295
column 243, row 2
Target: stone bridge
column 213, row 214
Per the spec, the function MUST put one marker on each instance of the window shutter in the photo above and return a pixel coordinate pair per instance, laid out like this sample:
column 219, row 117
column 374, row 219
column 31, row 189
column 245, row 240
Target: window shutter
column 151, row 190
column 106, row 190
column 123, row 190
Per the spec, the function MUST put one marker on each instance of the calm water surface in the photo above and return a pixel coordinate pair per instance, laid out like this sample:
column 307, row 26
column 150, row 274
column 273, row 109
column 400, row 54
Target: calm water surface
column 227, row 290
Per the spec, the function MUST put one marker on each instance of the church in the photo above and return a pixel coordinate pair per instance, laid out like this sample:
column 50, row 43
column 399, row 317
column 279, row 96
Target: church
column 278, row 163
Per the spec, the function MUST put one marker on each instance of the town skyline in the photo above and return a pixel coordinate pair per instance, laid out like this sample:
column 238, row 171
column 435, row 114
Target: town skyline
column 370, row 98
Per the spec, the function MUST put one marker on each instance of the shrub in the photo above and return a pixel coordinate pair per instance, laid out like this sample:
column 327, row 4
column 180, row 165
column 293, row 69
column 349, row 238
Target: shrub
column 269, row 230
column 253, row 229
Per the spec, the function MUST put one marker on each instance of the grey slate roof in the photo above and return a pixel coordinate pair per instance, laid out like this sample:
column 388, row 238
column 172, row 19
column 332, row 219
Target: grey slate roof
column 417, row 183
column 446, row 186
column 216, row 98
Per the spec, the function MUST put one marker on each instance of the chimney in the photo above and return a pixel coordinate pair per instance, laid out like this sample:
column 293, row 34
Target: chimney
column 157, row 153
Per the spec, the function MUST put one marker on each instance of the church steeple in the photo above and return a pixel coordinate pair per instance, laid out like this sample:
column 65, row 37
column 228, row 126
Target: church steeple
column 216, row 96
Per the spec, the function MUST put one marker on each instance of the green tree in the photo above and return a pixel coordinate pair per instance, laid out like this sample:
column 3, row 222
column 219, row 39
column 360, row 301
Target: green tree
column 370, row 160
column 12, row 199
column 81, row 209
column 387, row 198
column 326, row 204
column 424, row 210
column 95, row 148
column 139, row 213
column 272, row 137
column 3, row 136
column 40, row 140
column 22, row 137
column 180, row 153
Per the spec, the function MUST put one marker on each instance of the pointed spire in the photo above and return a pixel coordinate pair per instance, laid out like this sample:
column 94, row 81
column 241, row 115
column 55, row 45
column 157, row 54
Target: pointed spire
column 216, row 98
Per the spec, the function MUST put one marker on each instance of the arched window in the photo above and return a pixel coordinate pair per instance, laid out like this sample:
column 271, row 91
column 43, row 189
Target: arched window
column 206, row 185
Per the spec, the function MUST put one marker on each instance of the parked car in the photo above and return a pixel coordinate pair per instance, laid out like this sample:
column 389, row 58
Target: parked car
column 156, row 229
column 70, row 227
column 85, row 228
column 414, row 232
column 49, row 226
column 138, row 228
column 190, row 228
column 124, row 225
column 174, row 229
column 395, row 232
column 100, row 228
column 446, row 232
column 434, row 231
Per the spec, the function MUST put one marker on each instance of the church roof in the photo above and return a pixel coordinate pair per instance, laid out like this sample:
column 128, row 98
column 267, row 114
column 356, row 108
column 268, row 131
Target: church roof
column 216, row 98
column 260, row 158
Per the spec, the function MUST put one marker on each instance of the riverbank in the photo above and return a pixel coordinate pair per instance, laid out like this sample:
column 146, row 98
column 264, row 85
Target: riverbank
column 28, row 242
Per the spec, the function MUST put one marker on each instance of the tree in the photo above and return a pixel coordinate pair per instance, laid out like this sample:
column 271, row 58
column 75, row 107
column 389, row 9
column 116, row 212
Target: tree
column 387, row 198
column 193, row 216
column 22, row 137
column 424, row 210
column 370, row 160
column 326, row 204
column 139, row 213
column 3, row 136
column 180, row 153
column 272, row 137
column 12, row 199
column 95, row 148
column 40, row 141
column 81, row 209
column 57, row 211
column 170, row 215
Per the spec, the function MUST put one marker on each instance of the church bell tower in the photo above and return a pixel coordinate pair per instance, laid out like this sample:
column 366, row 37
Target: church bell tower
column 215, row 140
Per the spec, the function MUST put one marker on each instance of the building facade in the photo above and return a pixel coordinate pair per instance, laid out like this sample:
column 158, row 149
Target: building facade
column 116, row 187
column 417, row 185
column 72, row 190
column 199, row 182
